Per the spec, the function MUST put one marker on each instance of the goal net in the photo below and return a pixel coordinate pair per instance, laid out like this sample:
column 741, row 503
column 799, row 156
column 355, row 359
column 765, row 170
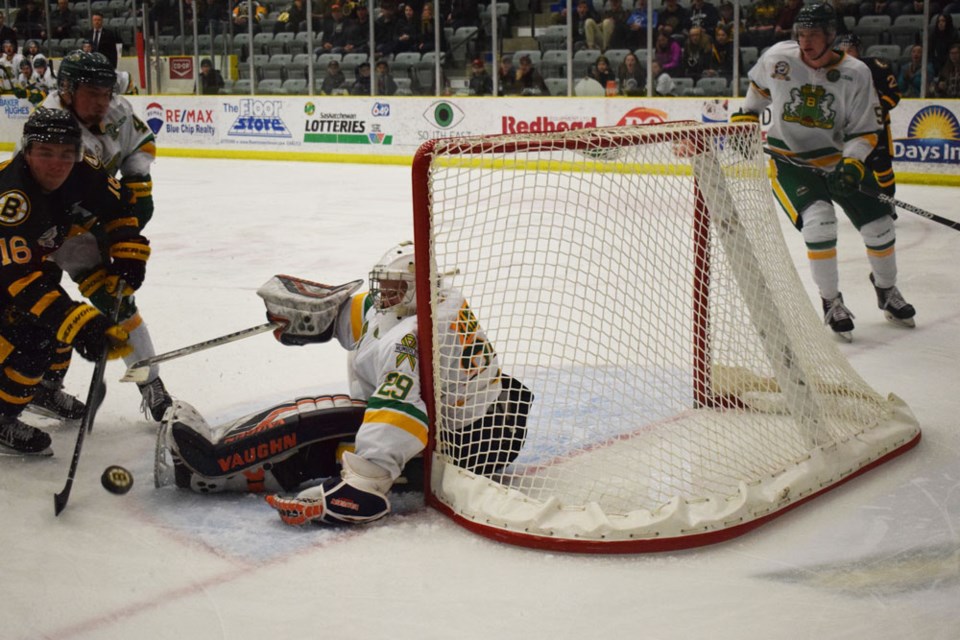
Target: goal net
column 666, row 380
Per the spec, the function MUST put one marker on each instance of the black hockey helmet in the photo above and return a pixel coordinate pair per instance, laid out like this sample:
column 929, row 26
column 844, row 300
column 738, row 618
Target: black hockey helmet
column 845, row 40
column 81, row 67
column 816, row 16
column 54, row 126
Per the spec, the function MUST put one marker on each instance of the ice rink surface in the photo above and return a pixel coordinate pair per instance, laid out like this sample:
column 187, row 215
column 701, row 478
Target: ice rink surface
column 877, row 558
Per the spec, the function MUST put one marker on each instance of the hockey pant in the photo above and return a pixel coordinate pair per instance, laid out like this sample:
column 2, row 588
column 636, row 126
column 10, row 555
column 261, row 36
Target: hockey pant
column 28, row 352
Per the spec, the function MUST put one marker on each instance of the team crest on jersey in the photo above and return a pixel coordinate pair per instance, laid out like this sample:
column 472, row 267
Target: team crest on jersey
column 407, row 351
column 810, row 106
column 781, row 71
column 833, row 75
column 14, row 207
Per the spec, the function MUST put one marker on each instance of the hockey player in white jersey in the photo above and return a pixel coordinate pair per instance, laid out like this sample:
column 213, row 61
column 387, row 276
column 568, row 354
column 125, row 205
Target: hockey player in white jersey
column 825, row 114
column 122, row 143
column 384, row 419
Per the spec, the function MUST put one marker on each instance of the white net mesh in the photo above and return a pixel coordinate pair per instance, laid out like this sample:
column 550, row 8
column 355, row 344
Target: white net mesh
column 635, row 280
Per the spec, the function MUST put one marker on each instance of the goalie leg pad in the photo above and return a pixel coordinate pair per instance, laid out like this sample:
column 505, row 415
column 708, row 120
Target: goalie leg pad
column 270, row 437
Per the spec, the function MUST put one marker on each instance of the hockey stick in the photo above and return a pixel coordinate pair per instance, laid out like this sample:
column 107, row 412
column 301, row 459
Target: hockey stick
column 139, row 371
column 882, row 197
column 95, row 396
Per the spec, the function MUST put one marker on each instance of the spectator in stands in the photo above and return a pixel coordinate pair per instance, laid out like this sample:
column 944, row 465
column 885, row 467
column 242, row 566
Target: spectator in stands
column 30, row 21
column 726, row 17
column 406, row 34
column 948, row 80
column 507, row 80
column 761, row 23
column 241, row 19
column 6, row 33
column 632, row 77
column 663, row 83
column 613, row 28
column 334, row 83
column 428, row 32
column 673, row 18
column 334, row 31
column 481, row 84
column 586, row 26
column 943, row 35
column 916, row 8
column 212, row 16
column 384, row 29
column 668, row 53
column 386, row 85
column 361, row 86
column 879, row 8
column 43, row 77
column 102, row 39
column 602, row 73
column 528, row 81
column 462, row 13
column 722, row 55
column 697, row 54
column 358, row 31
column 63, row 21
column 211, row 81
column 291, row 18
column 703, row 15
column 637, row 25
column 783, row 29
column 910, row 78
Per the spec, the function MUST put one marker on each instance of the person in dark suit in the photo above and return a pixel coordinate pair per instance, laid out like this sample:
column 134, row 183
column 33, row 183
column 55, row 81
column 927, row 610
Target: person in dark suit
column 104, row 41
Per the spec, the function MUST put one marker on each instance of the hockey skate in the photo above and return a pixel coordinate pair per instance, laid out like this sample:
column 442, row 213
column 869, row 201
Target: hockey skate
column 19, row 438
column 894, row 307
column 156, row 400
column 838, row 317
column 52, row 401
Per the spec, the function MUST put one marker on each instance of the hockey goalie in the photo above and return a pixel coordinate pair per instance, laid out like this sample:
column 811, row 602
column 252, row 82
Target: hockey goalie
column 345, row 453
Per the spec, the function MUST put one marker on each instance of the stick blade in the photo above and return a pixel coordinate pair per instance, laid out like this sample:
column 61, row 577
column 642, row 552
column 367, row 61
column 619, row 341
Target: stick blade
column 136, row 374
column 60, row 500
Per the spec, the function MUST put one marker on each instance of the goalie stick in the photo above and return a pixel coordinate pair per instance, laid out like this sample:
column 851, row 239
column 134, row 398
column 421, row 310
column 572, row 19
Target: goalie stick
column 882, row 197
column 139, row 371
column 95, row 395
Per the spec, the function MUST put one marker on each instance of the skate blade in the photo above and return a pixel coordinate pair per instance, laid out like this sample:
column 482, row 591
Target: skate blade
column 7, row 452
column 908, row 323
column 845, row 336
column 46, row 413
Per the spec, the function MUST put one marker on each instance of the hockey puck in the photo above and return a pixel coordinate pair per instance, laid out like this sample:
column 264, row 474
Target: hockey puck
column 116, row 479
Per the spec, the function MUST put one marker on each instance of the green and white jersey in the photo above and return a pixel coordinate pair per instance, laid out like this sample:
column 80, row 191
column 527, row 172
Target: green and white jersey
column 818, row 115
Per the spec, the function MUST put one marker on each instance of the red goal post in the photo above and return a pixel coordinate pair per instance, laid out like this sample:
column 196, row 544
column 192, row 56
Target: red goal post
column 635, row 280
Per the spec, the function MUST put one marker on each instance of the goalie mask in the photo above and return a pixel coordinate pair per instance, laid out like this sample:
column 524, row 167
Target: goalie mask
column 393, row 283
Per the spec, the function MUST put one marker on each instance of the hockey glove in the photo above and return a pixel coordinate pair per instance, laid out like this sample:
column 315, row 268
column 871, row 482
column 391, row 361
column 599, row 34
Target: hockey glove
column 128, row 262
column 357, row 498
column 846, row 178
column 304, row 311
column 744, row 142
column 90, row 333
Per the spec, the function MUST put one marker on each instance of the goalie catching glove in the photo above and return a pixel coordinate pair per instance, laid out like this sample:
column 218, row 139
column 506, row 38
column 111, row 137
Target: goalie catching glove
column 303, row 311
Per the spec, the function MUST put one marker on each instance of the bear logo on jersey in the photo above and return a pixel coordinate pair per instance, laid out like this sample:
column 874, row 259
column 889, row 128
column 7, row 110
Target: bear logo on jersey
column 14, row 208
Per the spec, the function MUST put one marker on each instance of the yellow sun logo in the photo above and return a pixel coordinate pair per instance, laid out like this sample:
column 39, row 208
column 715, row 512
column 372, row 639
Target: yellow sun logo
column 934, row 122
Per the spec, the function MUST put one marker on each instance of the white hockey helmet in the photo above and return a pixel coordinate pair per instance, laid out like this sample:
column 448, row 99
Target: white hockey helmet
column 393, row 281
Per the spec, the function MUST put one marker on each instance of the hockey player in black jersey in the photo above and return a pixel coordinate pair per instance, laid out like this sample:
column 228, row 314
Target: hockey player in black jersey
column 40, row 325
column 888, row 92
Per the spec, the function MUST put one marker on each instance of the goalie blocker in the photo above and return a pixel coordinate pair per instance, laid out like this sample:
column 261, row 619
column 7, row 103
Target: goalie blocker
column 290, row 444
